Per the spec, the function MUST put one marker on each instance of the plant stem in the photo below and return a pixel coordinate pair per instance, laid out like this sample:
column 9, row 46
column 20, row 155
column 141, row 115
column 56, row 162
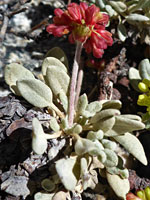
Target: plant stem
column 79, row 83
column 72, row 92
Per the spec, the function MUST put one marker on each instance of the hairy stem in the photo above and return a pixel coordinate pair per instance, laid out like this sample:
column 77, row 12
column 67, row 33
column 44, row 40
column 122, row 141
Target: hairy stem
column 72, row 92
column 79, row 83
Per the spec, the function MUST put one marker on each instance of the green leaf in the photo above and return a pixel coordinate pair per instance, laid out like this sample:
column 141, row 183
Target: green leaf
column 133, row 146
column 111, row 12
column 82, row 104
column 114, row 104
column 35, row 92
column 98, row 135
column 64, row 100
column 65, row 170
column 92, row 108
column 112, row 158
column 54, row 124
column 104, row 114
column 105, row 124
column 51, row 61
column 48, row 185
column 120, row 186
column 101, row 3
column 133, row 18
column 57, row 80
column 124, row 124
column 14, row 72
column 59, row 54
column 43, row 196
column 122, row 32
column 83, row 146
column 144, row 69
column 135, row 78
column 119, row 6
column 39, row 142
column 119, row 169
column 109, row 144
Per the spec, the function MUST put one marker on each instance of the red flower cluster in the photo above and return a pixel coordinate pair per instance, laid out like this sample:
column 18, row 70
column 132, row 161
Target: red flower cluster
column 86, row 24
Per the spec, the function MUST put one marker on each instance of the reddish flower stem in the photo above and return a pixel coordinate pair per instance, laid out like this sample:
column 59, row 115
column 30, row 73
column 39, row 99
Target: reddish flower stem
column 79, row 83
column 72, row 92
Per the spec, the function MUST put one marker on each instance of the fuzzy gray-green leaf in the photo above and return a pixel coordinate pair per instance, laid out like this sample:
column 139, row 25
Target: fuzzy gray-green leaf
column 83, row 146
column 14, row 72
column 122, row 32
column 64, row 100
column 82, row 104
column 133, row 18
column 112, row 158
column 113, row 104
column 57, row 80
column 39, row 142
column 124, row 124
column 119, row 6
column 109, row 144
column 64, row 168
column 105, row 124
column 144, row 69
column 95, row 135
column 120, row 186
column 135, row 78
column 54, row 124
column 133, row 146
column 51, row 61
column 35, row 92
column 59, row 54
column 92, row 108
column 104, row 114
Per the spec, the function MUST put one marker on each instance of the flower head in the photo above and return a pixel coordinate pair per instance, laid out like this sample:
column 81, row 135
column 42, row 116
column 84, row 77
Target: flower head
column 85, row 24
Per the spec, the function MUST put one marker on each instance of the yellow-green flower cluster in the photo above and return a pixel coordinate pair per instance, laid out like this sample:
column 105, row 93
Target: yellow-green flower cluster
column 144, row 99
column 144, row 194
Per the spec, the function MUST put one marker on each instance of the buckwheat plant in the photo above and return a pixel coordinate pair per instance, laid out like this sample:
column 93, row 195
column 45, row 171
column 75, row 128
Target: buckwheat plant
column 95, row 129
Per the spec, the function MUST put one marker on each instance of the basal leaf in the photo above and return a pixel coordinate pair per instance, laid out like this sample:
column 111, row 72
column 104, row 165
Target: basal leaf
column 144, row 69
column 133, row 146
column 134, row 78
column 120, row 186
column 51, row 61
column 39, row 142
column 122, row 32
column 59, row 54
column 112, row 158
column 14, row 72
column 64, row 168
column 35, row 92
column 57, row 80
column 119, row 6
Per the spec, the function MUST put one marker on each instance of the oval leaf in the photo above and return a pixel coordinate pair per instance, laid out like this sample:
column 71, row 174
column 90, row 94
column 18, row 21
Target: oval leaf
column 51, row 61
column 122, row 32
column 144, row 69
column 57, row 80
column 133, row 146
column 14, row 72
column 132, row 18
column 135, row 78
column 64, row 168
column 35, row 92
column 59, row 54
column 39, row 142
column 119, row 6
column 120, row 186
column 112, row 158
